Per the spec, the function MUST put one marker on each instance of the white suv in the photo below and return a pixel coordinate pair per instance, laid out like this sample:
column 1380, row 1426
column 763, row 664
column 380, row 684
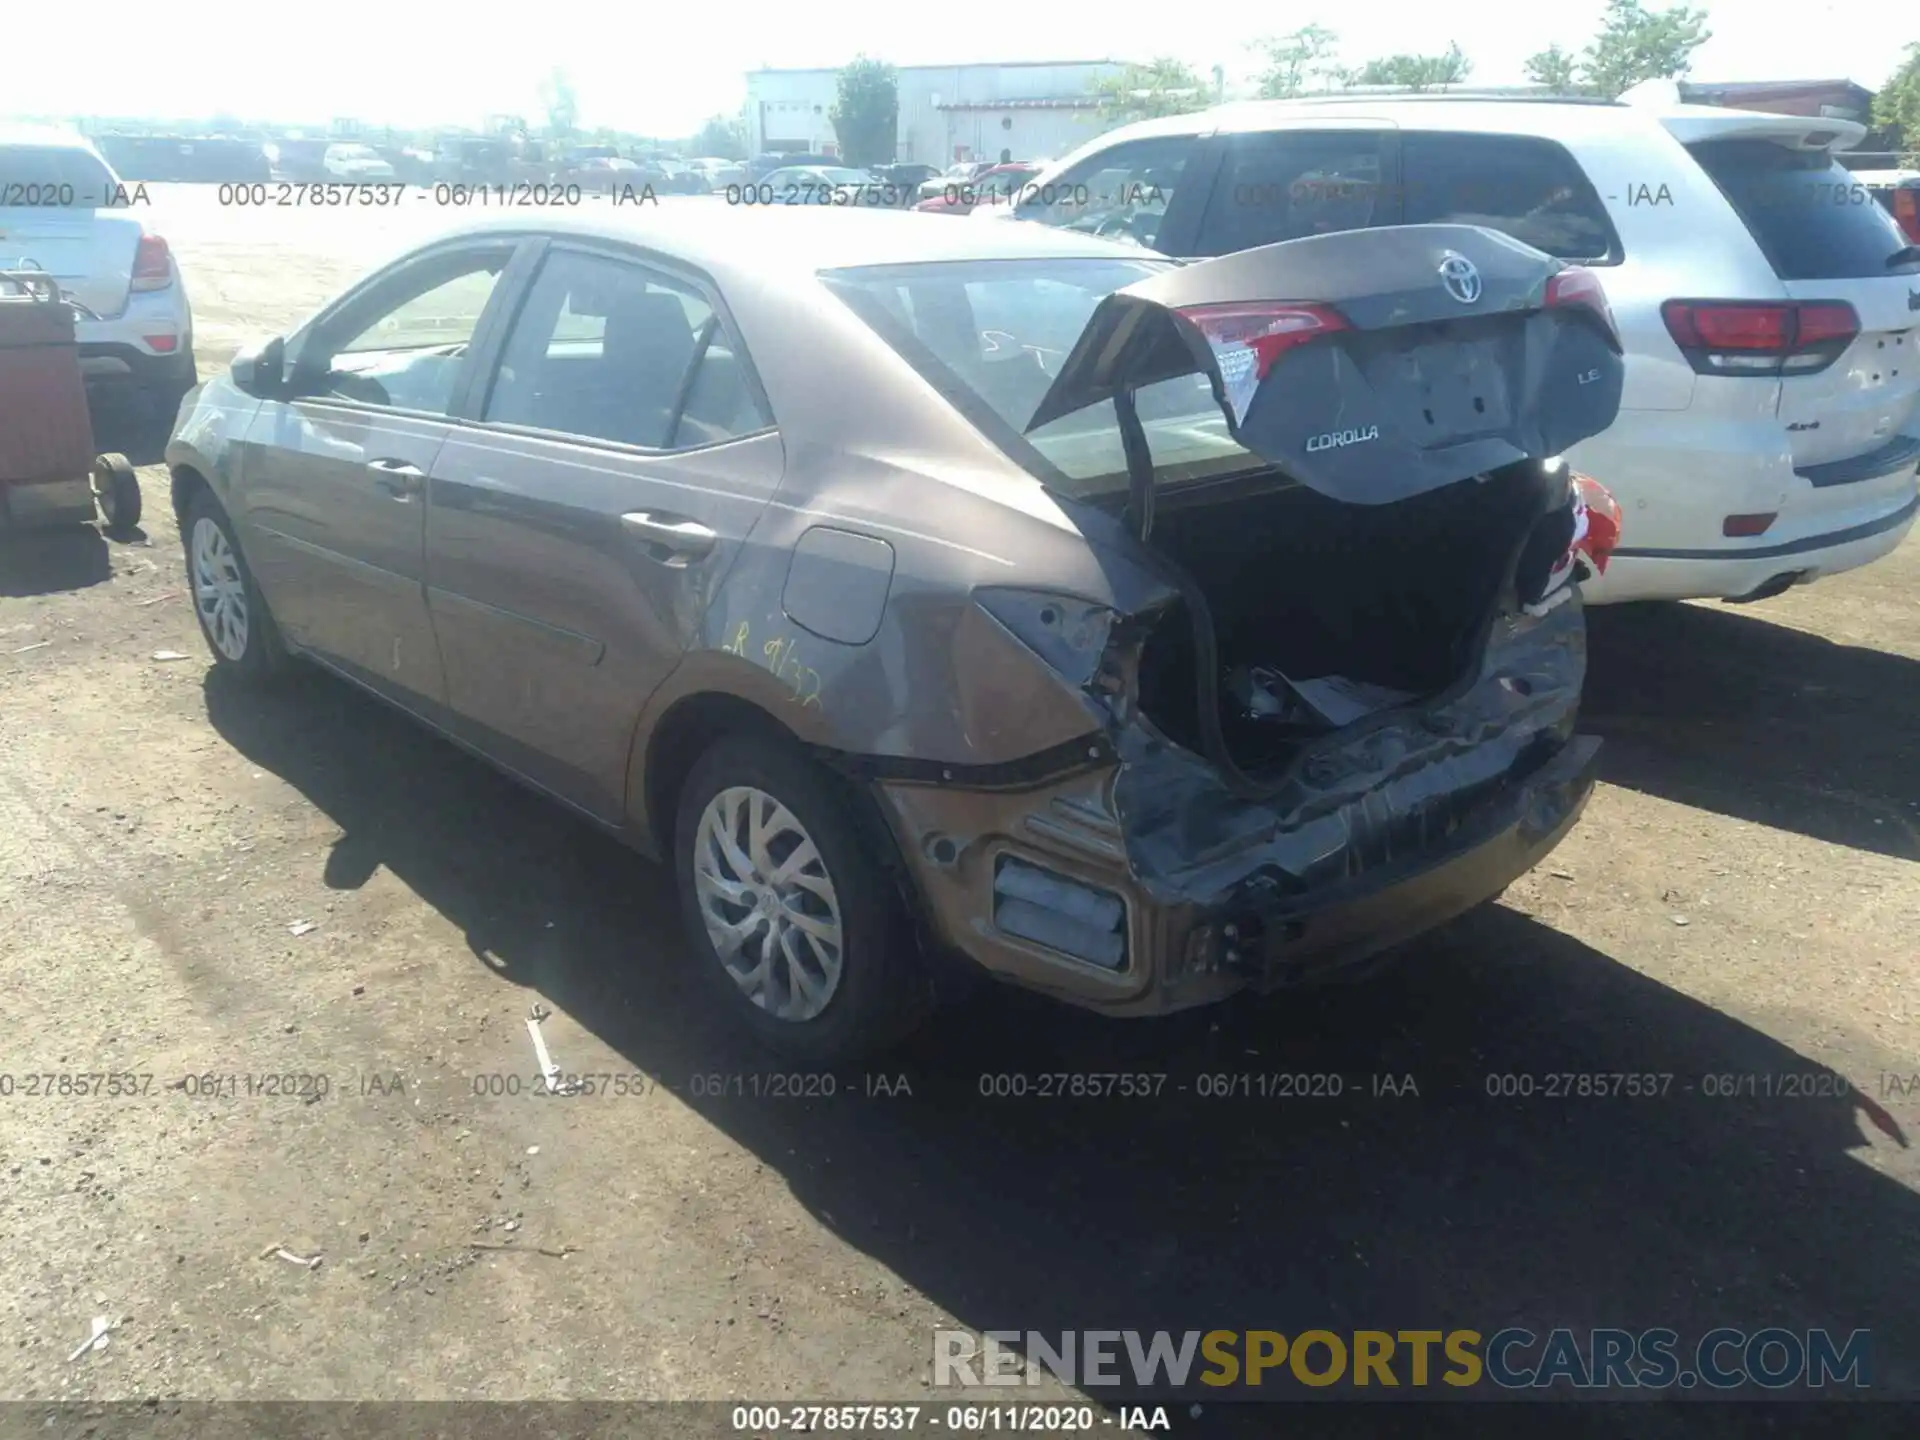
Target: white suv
column 64, row 211
column 1770, row 428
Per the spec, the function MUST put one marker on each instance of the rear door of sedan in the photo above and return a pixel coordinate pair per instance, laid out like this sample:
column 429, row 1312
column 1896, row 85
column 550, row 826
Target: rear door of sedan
column 582, row 518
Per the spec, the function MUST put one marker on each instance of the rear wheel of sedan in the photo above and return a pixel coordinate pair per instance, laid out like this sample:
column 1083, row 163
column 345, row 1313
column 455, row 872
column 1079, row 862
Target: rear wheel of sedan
column 232, row 614
column 793, row 923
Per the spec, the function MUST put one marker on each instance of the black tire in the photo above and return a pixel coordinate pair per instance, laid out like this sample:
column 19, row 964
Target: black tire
column 116, row 490
column 882, row 991
column 264, row 654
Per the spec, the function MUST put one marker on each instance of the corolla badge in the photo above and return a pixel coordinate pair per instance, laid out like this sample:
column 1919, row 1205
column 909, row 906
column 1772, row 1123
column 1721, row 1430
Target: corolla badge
column 1461, row 277
column 1340, row 439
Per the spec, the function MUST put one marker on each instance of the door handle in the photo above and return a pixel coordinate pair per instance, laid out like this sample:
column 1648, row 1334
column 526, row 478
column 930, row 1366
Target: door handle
column 398, row 478
column 672, row 541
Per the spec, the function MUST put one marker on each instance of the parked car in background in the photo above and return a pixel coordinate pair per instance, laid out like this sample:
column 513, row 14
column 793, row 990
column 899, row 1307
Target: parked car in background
column 595, row 167
column 63, row 211
column 959, row 173
column 1898, row 192
column 298, row 161
column 762, row 165
column 678, row 177
column 472, row 160
column 216, row 159
column 996, row 185
column 356, row 165
column 811, row 554
column 410, row 166
column 905, row 180
column 820, row 185
column 1770, row 432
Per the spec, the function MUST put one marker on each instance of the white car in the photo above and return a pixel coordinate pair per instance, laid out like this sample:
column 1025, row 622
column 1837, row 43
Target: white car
column 1769, row 432
column 356, row 165
column 64, row 211
column 819, row 185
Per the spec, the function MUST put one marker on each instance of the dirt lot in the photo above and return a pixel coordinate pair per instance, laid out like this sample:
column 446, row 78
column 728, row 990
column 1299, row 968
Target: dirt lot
column 1740, row 900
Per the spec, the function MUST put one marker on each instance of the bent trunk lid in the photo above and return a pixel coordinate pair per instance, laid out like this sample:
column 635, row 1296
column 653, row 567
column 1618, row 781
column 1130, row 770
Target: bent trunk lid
column 1445, row 358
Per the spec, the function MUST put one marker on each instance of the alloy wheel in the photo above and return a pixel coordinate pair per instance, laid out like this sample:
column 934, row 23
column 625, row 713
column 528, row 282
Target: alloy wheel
column 768, row 903
column 219, row 590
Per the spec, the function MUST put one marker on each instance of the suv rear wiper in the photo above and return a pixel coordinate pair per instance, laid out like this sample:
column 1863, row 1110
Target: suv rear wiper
column 1905, row 255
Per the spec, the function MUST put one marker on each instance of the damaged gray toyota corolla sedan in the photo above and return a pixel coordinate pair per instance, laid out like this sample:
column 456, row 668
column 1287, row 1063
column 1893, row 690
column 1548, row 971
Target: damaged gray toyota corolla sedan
column 1140, row 632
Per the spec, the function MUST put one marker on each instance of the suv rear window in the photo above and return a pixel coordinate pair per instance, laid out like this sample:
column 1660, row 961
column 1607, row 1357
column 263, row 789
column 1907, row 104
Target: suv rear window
column 38, row 176
column 1528, row 188
column 1813, row 220
column 991, row 335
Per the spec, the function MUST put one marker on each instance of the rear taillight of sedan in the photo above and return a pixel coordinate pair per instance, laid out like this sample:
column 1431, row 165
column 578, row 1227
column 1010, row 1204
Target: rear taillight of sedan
column 1761, row 337
column 152, row 264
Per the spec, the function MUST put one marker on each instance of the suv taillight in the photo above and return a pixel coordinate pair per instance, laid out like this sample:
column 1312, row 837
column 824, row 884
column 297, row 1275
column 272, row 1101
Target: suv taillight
column 152, row 264
column 1906, row 210
column 1577, row 285
column 1761, row 337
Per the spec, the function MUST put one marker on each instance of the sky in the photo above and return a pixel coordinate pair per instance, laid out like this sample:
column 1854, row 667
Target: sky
column 662, row 69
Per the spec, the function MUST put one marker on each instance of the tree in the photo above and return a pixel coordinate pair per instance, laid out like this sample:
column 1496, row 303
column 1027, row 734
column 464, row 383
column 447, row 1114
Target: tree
column 1636, row 44
column 560, row 103
column 1416, row 72
column 1554, row 68
column 1298, row 62
column 720, row 138
column 1146, row 92
column 1897, row 106
column 866, row 112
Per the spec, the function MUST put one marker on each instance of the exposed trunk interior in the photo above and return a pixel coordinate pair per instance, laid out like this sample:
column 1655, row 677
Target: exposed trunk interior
column 1395, row 596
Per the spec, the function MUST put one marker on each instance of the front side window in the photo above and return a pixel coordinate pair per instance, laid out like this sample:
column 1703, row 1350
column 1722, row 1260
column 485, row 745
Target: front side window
column 607, row 349
column 413, row 353
column 1121, row 193
column 1529, row 188
column 1285, row 185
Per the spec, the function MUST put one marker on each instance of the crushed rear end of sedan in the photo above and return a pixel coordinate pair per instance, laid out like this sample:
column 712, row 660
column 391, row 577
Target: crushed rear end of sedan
column 1333, row 672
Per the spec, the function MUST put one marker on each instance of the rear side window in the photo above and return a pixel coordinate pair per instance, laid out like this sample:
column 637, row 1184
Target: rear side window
column 49, row 176
column 1121, row 193
column 610, row 350
column 1528, row 188
column 1813, row 220
column 1289, row 184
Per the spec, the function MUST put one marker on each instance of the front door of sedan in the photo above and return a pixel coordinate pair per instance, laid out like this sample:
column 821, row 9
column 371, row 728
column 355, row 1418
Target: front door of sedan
column 577, row 529
column 333, row 476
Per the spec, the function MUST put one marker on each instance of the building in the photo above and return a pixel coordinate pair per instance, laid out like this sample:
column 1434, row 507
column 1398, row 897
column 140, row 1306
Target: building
column 1026, row 110
column 1821, row 99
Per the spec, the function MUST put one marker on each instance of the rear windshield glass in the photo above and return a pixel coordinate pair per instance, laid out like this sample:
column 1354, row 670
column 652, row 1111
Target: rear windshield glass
column 991, row 336
column 36, row 177
column 1814, row 220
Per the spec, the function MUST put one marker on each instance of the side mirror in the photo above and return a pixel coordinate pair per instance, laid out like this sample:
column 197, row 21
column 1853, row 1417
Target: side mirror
column 262, row 371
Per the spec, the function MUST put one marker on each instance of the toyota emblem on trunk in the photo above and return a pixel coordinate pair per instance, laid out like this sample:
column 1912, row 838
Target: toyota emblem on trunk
column 1461, row 278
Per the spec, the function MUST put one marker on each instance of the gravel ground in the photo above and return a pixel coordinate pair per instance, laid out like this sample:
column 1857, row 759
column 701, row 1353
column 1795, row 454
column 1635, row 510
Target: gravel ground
column 1739, row 901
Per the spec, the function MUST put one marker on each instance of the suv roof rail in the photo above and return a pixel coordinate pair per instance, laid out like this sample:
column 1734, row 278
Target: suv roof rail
column 1518, row 95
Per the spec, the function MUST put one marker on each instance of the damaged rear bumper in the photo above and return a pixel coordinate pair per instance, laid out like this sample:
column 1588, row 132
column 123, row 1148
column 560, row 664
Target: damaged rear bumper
column 1141, row 888
column 1065, row 845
